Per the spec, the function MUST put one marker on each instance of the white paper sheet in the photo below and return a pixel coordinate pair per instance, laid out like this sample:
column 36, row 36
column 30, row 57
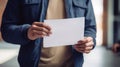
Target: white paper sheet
column 64, row 32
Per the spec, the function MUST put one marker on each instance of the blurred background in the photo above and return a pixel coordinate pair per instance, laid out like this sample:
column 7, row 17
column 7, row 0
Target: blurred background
column 108, row 32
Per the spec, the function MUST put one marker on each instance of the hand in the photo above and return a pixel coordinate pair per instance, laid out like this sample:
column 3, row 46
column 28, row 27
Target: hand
column 85, row 45
column 115, row 47
column 38, row 30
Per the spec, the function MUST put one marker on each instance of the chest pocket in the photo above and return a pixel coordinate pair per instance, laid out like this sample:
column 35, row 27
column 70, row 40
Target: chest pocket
column 79, row 7
column 31, row 9
column 27, row 4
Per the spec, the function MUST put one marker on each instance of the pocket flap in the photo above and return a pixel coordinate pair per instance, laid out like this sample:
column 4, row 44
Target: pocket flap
column 31, row 1
column 80, row 3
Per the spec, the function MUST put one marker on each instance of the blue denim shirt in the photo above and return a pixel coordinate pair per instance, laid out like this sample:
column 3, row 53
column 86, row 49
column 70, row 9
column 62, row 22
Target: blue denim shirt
column 20, row 14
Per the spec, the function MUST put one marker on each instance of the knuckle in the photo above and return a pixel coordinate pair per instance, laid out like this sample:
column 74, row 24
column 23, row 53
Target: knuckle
column 41, row 29
column 33, row 26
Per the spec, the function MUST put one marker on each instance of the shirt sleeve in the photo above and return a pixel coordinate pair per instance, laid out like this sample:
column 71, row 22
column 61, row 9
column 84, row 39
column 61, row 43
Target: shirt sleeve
column 90, row 23
column 12, row 31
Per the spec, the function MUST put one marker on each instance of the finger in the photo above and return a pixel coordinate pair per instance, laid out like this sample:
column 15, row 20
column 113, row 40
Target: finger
column 89, row 48
column 39, row 36
column 82, row 51
column 79, row 45
column 35, row 36
column 89, row 44
column 40, row 33
column 41, row 24
column 85, row 40
column 89, row 39
column 34, row 27
column 87, row 52
column 84, row 45
column 82, row 41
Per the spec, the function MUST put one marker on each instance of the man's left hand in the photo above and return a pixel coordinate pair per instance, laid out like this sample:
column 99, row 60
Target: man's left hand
column 85, row 45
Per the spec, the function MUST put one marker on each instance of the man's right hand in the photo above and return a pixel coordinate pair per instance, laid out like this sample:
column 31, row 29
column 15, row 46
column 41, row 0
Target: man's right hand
column 38, row 30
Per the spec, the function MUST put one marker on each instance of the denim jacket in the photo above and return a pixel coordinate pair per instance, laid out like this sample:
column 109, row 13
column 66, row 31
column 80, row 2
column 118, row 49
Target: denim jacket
column 20, row 14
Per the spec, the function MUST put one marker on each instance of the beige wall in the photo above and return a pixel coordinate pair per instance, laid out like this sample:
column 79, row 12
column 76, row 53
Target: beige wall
column 105, row 18
column 2, row 6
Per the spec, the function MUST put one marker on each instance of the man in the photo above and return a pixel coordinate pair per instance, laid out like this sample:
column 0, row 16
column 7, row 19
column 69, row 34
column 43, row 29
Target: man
column 23, row 24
